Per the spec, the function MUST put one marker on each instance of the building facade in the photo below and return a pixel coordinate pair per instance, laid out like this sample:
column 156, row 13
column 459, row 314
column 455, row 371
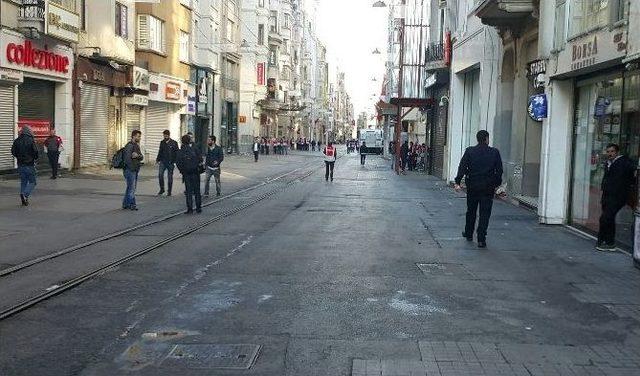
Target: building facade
column 36, row 74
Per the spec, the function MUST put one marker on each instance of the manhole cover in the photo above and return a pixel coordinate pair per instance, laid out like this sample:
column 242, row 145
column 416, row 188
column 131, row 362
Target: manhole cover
column 213, row 356
column 443, row 269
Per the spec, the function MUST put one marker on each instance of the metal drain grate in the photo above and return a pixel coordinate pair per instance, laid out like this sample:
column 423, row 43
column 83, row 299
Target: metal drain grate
column 443, row 269
column 212, row 356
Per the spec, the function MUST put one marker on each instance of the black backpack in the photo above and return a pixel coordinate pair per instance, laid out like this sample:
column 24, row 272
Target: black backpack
column 117, row 161
column 188, row 161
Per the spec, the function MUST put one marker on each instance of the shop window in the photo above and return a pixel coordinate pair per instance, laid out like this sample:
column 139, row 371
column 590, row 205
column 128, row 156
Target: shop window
column 121, row 21
column 587, row 15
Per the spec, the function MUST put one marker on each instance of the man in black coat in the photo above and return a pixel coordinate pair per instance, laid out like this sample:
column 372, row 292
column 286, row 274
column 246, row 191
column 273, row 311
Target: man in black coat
column 25, row 151
column 482, row 167
column 616, row 186
column 214, row 158
column 189, row 162
column 166, row 160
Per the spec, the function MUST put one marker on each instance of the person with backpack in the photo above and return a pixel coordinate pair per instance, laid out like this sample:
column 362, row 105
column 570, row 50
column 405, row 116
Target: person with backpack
column 330, row 155
column 25, row 151
column 166, row 160
column 214, row 158
column 189, row 162
column 53, row 144
column 131, row 162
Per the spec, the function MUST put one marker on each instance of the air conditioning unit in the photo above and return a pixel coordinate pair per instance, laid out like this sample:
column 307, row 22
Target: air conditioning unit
column 442, row 4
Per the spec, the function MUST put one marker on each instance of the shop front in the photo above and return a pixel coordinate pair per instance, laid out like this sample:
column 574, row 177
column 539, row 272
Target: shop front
column 166, row 111
column 438, row 86
column 202, row 101
column 42, row 71
column 606, row 109
column 100, row 127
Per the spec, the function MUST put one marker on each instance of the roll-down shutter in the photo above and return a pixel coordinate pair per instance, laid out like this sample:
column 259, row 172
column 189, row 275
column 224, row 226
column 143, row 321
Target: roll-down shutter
column 94, row 118
column 133, row 119
column 7, row 126
column 157, row 122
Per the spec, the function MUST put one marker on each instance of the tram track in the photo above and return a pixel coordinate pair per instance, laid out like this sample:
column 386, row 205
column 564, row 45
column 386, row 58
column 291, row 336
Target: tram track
column 96, row 271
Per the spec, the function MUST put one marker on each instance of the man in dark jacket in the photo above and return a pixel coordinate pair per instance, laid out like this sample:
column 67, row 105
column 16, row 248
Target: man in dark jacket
column 132, row 162
column 25, row 151
column 404, row 155
column 214, row 158
column 363, row 156
column 53, row 144
column 617, row 183
column 482, row 167
column 188, row 161
column 166, row 160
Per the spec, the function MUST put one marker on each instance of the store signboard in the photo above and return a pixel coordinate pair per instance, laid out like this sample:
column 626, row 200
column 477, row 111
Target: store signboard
column 39, row 127
column 61, row 23
column 167, row 89
column 261, row 73
column 138, row 100
column 589, row 51
column 191, row 100
column 26, row 55
column 140, row 78
column 537, row 108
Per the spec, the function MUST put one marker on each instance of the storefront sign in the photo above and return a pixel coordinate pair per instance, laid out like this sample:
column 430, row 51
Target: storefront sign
column 260, row 71
column 202, row 90
column 30, row 56
column 40, row 128
column 32, row 10
column 140, row 78
column 62, row 23
column 596, row 50
column 98, row 75
column 172, row 91
column 138, row 100
column 537, row 67
column 11, row 76
column 537, row 108
column 242, row 119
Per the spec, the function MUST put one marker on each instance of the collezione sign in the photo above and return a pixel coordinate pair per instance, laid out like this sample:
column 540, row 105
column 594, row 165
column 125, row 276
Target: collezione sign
column 42, row 59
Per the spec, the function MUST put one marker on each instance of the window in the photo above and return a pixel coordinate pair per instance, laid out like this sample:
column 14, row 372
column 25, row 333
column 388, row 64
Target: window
column 67, row 4
column 122, row 21
column 261, row 3
column 586, row 15
column 261, row 34
column 273, row 22
column 184, row 47
column 286, row 21
column 150, row 33
column 560, row 33
column 231, row 30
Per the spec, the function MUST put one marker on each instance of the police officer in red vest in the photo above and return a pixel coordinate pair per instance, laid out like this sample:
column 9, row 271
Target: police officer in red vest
column 329, row 160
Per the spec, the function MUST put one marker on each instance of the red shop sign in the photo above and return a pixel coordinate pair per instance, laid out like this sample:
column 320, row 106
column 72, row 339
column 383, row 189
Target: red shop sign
column 39, row 127
column 260, row 73
column 24, row 54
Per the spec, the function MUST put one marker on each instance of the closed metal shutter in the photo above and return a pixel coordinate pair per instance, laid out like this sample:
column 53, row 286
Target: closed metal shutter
column 440, row 137
column 133, row 119
column 36, row 101
column 157, row 122
column 7, row 126
column 94, row 120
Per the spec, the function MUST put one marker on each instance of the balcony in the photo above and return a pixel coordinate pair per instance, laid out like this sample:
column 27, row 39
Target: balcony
column 438, row 56
column 512, row 15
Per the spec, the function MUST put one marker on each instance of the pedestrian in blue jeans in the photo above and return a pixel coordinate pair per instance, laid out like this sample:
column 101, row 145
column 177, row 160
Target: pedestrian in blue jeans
column 166, row 160
column 25, row 151
column 132, row 162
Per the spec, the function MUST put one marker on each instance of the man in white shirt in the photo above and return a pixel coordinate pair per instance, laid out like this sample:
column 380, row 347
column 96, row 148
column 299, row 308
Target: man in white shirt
column 256, row 149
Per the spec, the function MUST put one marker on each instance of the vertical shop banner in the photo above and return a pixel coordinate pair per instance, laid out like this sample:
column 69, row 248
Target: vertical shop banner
column 40, row 128
column 260, row 72
column 538, row 107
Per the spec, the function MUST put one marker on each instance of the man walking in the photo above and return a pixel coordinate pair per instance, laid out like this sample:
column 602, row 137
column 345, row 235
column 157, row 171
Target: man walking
column 617, row 183
column 166, row 160
column 25, row 151
column 53, row 145
column 329, row 160
column 363, row 156
column 482, row 167
column 132, row 161
column 256, row 149
column 214, row 158
column 189, row 162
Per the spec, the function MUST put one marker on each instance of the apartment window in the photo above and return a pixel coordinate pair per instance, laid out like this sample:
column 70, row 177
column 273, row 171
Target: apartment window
column 261, row 34
column 67, row 4
column 261, row 3
column 184, row 47
column 122, row 21
column 151, row 33
column 560, row 33
column 273, row 22
column 586, row 15
column 286, row 21
column 231, row 30
column 83, row 15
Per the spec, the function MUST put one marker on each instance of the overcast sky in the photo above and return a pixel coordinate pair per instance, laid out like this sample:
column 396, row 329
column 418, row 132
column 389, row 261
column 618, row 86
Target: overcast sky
column 351, row 30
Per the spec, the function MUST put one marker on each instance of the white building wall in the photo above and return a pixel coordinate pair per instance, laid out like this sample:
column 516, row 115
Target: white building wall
column 100, row 31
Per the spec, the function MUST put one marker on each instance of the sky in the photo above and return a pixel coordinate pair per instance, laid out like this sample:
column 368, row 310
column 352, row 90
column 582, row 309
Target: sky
column 351, row 30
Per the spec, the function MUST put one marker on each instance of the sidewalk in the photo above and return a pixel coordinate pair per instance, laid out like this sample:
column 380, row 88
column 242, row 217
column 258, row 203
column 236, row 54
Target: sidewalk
column 81, row 206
